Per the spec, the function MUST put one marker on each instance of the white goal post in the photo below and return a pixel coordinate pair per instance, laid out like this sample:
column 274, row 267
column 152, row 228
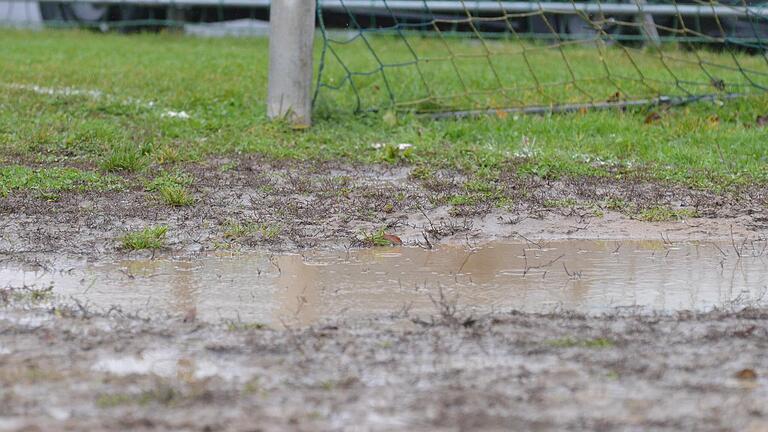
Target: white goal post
column 291, row 39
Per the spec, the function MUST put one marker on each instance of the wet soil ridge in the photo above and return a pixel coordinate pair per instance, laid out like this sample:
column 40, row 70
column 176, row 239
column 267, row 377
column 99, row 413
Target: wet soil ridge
column 247, row 204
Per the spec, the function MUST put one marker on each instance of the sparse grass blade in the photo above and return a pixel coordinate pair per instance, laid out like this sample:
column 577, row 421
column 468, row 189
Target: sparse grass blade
column 149, row 238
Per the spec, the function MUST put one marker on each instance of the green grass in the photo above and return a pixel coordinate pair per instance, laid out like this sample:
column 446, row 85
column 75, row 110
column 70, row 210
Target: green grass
column 124, row 158
column 47, row 181
column 176, row 196
column 171, row 188
column 149, row 238
column 585, row 343
column 665, row 214
column 221, row 84
column 239, row 230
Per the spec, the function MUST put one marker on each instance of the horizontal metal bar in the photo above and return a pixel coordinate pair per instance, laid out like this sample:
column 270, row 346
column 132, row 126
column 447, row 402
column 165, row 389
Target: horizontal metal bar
column 381, row 6
column 553, row 7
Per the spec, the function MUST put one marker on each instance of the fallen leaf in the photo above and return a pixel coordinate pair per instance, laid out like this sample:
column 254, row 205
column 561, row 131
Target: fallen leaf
column 762, row 120
column 395, row 240
column 652, row 117
column 746, row 374
column 501, row 114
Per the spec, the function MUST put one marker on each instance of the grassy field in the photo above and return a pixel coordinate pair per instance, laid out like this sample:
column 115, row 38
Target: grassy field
column 109, row 103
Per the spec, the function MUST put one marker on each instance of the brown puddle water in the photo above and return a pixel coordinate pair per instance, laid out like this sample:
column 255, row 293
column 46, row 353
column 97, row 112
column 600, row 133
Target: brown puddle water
column 583, row 276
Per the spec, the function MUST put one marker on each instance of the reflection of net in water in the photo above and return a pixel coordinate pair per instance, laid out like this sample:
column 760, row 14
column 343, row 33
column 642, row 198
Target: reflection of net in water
column 437, row 56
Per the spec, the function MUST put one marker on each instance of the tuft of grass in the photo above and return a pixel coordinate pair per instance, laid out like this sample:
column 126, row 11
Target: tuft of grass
column 568, row 342
column 149, row 238
column 26, row 295
column 421, row 172
column 666, row 214
column 376, row 238
column 169, row 178
column 171, row 188
column 47, row 181
column 124, row 158
column 615, row 204
column 379, row 238
column 560, row 203
column 260, row 231
column 176, row 196
column 163, row 394
column 236, row 326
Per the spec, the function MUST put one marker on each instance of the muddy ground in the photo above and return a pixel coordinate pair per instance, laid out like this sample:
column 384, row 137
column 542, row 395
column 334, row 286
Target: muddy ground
column 67, row 369
column 331, row 205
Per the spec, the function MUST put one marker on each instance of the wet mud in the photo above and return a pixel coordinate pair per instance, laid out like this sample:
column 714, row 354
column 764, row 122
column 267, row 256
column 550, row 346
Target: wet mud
column 516, row 304
column 68, row 370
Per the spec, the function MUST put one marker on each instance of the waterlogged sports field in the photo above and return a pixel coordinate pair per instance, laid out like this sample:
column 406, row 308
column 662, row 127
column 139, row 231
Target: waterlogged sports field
column 171, row 260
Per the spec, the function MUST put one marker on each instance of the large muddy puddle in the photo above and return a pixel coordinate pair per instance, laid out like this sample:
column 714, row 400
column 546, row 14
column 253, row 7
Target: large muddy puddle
column 583, row 276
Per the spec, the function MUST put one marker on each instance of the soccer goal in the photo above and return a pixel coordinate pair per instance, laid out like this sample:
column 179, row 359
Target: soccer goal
column 449, row 58
column 463, row 58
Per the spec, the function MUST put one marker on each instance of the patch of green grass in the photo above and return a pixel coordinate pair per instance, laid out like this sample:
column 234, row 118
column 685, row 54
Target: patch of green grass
column 560, row 203
column 176, row 196
column 26, row 295
column 149, row 238
column 227, row 114
column 169, row 178
column 163, row 394
column 421, row 173
column 615, row 204
column 568, row 342
column 171, row 187
column 124, row 158
column 48, row 181
column 237, row 231
column 463, row 200
column 376, row 238
column 665, row 214
column 112, row 400
column 235, row 326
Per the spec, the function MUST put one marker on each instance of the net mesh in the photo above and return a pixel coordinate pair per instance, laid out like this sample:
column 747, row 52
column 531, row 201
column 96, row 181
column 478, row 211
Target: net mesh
column 471, row 56
column 457, row 57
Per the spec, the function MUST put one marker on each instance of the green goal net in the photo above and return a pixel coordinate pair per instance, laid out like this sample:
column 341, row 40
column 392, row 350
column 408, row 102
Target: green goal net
column 469, row 57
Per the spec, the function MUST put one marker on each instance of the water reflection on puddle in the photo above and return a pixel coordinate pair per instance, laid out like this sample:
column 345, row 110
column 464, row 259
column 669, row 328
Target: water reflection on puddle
column 586, row 276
